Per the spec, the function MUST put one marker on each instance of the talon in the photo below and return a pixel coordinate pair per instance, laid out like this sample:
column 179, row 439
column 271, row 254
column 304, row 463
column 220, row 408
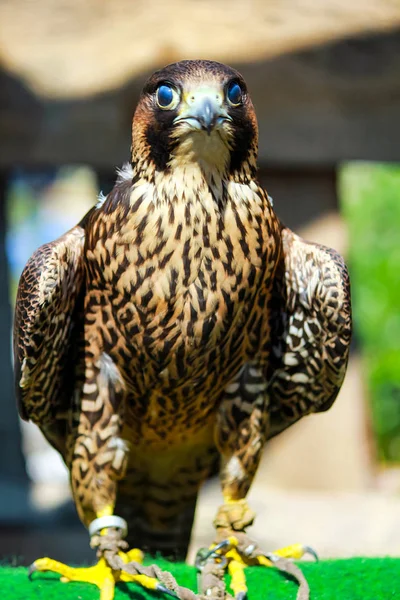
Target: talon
column 165, row 590
column 31, row 570
column 236, row 568
column 295, row 551
column 201, row 557
column 309, row 550
column 221, row 545
column 249, row 550
column 238, row 552
column 271, row 557
column 204, row 554
column 100, row 575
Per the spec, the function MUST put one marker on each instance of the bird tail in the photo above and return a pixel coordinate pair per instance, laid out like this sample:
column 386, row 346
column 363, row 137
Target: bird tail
column 158, row 524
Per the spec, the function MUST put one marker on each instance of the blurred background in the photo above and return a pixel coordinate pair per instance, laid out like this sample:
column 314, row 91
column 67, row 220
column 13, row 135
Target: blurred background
column 325, row 81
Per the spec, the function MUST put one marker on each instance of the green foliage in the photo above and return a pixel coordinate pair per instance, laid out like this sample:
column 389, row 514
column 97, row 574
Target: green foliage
column 353, row 579
column 370, row 197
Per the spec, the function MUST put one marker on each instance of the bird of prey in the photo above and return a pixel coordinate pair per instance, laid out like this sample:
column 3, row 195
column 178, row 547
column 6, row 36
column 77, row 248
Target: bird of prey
column 174, row 330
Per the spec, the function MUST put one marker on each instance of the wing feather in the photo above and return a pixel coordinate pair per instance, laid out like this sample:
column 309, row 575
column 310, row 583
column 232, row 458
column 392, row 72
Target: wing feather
column 310, row 330
column 47, row 315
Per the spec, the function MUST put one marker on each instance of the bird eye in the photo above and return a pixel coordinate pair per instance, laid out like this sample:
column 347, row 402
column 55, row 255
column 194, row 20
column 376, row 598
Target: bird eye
column 234, row 93
column 167, row 97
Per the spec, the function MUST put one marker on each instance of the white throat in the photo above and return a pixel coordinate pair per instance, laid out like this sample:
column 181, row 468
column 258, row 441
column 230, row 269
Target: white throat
column 199, row 150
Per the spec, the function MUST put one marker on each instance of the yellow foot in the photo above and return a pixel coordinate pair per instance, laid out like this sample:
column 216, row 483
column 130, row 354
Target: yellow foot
column 295, row 551
column 100, row 575
column 233, row 556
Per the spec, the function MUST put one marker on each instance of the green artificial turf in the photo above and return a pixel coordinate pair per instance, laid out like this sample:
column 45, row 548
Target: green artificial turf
column 352, row 579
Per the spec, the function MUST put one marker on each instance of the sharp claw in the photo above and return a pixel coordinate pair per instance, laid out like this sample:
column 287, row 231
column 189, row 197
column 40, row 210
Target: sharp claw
column 312, row 552
column 271, row 556
column 165, row 590
column 249, row 550
column 31, row 570
column 201, row 557
column 222, row 544
column 204, row 554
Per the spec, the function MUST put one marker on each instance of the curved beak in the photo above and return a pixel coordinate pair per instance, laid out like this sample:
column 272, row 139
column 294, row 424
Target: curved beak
column 203, row 110
column 207, row 114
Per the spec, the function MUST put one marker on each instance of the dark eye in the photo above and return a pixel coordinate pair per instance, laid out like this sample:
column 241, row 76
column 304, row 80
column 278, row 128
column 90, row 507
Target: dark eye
column 167, row 97
column 234, row 93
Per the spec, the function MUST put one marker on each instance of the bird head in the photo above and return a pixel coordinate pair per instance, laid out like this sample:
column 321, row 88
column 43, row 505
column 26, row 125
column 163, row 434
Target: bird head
column 195, row 112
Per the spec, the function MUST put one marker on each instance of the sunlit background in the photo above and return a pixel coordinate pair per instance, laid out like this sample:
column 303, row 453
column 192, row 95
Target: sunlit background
column 325, row 80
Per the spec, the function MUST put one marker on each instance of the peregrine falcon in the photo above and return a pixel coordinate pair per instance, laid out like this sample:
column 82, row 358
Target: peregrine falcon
column 174, row 330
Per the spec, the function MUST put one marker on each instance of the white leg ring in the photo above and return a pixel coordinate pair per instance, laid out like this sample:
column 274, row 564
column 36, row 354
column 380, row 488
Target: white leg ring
column 109, row 521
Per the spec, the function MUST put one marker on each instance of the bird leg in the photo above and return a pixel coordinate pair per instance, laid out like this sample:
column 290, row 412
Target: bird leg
column 236, row 553
column 110, row 567
column 101, row 574
column 234, row 550
column 240, row 436
column 115, row 565
column 107, row 532
column 97, row 460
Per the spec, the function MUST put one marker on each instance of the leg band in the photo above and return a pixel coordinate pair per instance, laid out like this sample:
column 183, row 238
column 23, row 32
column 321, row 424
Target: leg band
column 108, row 521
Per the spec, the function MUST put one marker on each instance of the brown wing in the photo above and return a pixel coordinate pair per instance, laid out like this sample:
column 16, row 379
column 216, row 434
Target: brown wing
column 311, row 331
column 47, row 316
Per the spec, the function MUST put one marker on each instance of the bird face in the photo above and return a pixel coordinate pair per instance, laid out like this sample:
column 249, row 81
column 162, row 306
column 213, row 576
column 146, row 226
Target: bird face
column 195, row 112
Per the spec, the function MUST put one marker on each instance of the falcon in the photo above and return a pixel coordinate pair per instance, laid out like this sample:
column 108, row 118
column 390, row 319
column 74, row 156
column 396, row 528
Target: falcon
column 172, row 332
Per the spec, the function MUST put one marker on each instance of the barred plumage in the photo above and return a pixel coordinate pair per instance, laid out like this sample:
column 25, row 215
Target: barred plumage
column 180, row 322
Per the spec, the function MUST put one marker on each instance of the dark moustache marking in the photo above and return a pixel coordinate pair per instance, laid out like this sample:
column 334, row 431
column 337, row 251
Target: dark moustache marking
column 243, row 138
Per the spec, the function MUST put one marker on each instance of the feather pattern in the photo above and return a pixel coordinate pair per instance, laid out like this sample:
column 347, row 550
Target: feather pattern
column 180, row 323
